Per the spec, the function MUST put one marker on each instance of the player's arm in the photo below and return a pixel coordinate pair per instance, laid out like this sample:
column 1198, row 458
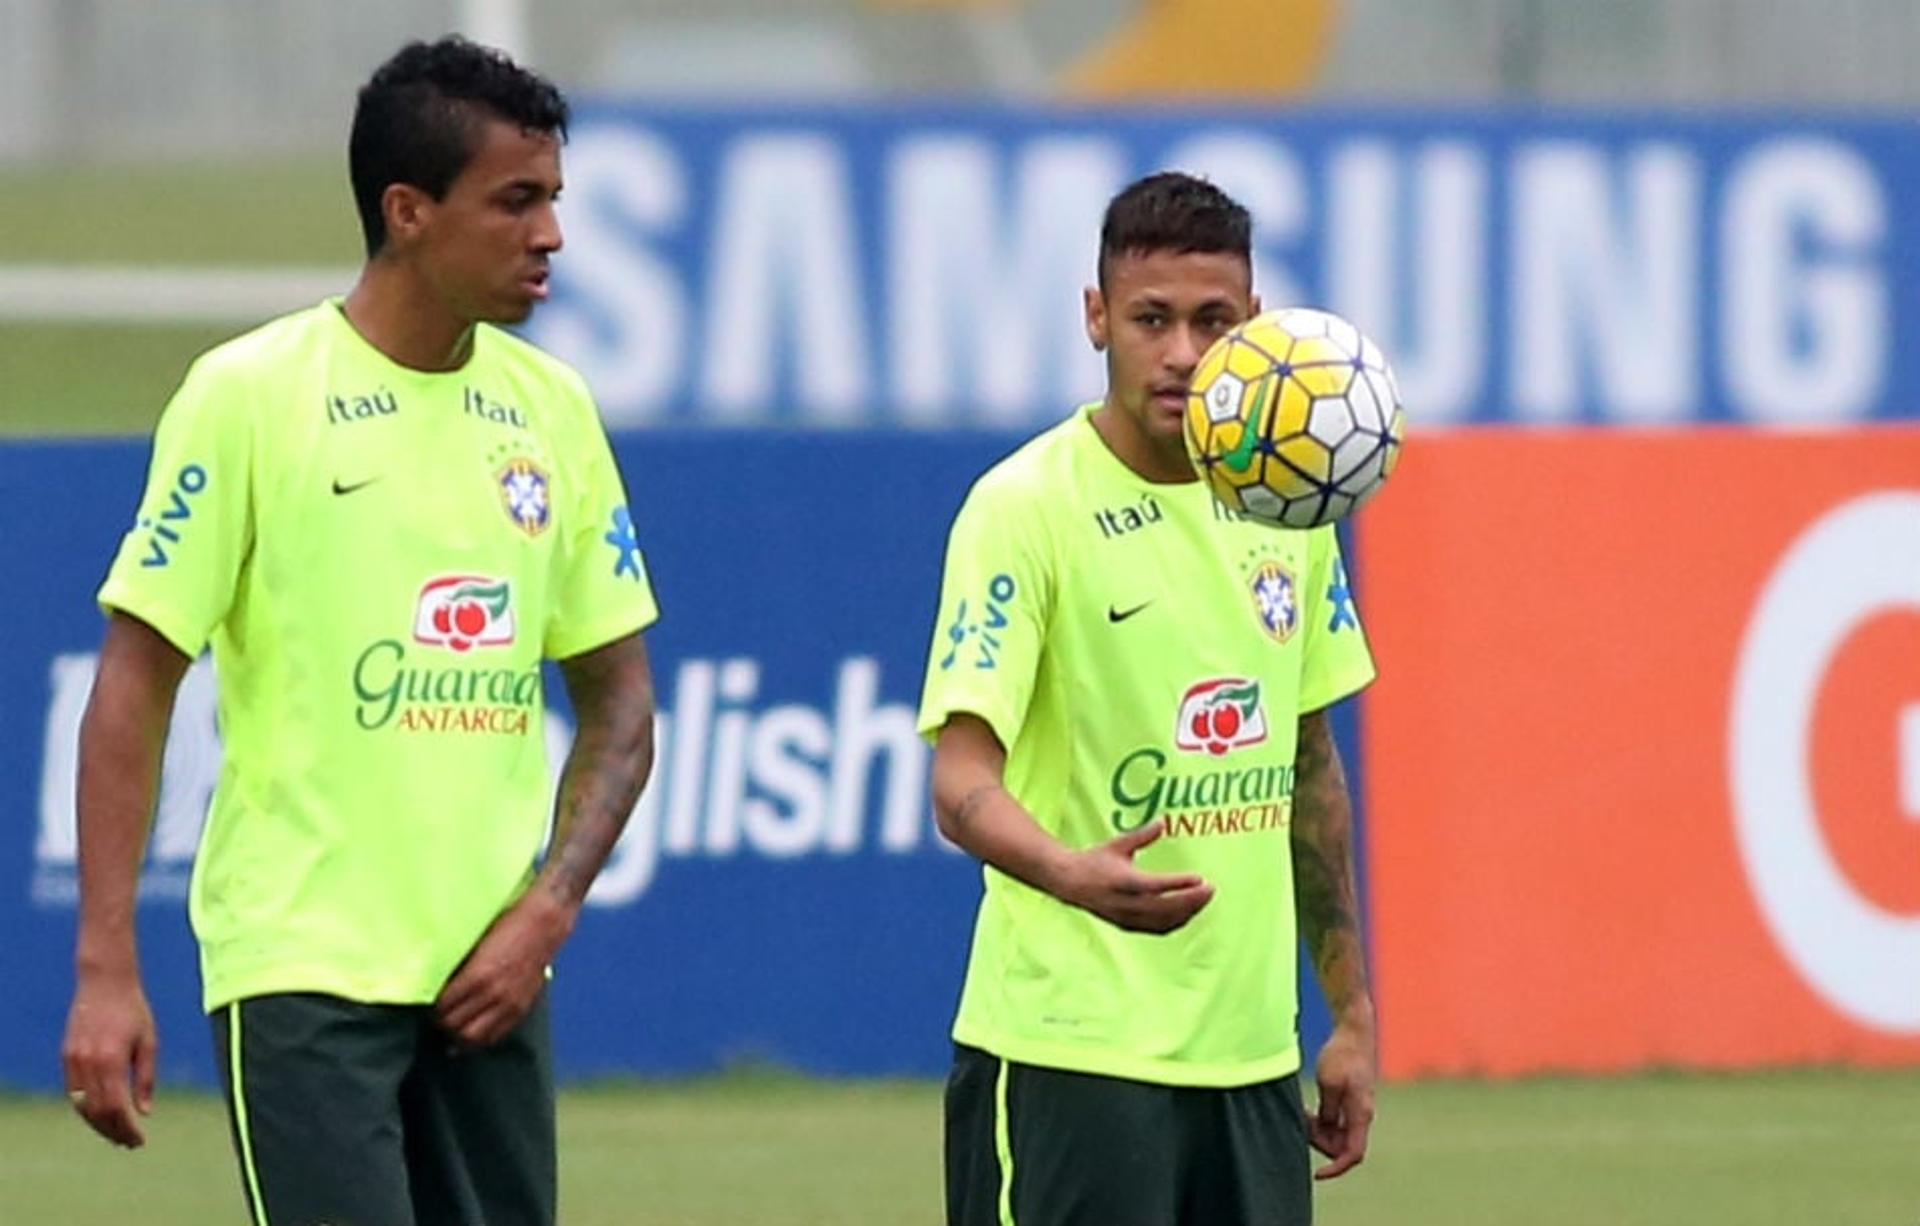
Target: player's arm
column 1327, row 903
column 110, row 1042
column 975, row 811
column 612, row 756
column 612, row 692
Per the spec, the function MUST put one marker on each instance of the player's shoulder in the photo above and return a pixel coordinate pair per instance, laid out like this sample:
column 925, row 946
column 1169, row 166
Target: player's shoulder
column 235, row 379
column 1029, row 479
column 265, row 350
column 1320, row 541
column 529, row 362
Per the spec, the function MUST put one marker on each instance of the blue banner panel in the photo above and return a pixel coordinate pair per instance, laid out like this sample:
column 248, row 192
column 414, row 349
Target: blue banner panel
column 923, row 266
column 781, row 893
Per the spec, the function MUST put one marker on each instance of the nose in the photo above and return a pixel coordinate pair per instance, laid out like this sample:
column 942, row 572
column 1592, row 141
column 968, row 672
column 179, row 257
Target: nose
column 546, row 238
column 1183, row 350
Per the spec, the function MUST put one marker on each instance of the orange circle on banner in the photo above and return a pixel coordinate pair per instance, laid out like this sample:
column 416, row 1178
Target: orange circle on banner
column 1854, row 759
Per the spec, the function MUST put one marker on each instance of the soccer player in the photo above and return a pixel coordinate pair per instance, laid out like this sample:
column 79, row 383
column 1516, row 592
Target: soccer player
column 1128, row 695
column 384, row 511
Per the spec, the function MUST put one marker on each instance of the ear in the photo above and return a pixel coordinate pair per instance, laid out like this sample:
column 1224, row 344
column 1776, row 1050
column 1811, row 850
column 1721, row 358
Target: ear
column 407, row 211
column 1095, row 305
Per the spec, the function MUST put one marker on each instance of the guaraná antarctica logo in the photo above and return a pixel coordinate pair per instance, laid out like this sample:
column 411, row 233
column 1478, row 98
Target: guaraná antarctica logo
column 1220, row 714
column 1216, row 717
column 463, row 612
column 457, row 613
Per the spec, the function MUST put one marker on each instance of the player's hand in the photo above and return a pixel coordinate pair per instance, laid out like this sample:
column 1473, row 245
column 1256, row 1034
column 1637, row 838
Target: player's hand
column 497, row 983
column 108, row 1055
column 1102, row 879
column 1346, row 1071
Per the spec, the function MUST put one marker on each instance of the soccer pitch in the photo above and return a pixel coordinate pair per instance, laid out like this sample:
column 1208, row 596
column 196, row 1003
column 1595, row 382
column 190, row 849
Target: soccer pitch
column 1789, row 1147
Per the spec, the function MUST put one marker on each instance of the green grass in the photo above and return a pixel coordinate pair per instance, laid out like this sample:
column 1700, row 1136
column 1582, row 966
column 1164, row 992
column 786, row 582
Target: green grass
column 262, row 211
column 1817, row 1146
column 72, row 379
column 113, row 379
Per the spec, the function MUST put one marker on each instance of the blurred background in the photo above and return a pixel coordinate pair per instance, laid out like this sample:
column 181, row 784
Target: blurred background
column 1639, row 786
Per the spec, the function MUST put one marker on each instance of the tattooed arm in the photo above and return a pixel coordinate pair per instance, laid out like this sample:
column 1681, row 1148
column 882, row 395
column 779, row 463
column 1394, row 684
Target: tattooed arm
column 612, row 692
column 980, row 816
column 1326, row 902
column 612, row 755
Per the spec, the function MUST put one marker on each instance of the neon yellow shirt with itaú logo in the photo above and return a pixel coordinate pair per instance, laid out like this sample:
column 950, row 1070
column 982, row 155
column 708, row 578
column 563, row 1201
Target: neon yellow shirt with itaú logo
column 1142, row 654
column 380, row 557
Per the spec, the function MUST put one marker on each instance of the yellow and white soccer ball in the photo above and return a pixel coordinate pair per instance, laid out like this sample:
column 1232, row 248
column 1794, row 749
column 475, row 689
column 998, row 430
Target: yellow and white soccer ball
column 1293, row 418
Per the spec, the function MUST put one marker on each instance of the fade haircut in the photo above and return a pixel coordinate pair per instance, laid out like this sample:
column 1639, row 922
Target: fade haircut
column 1171, row 211
column 418, row 119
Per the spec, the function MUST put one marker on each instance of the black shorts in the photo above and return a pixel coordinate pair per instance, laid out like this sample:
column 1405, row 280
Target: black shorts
column 352, row 1114
column 1031, row 1146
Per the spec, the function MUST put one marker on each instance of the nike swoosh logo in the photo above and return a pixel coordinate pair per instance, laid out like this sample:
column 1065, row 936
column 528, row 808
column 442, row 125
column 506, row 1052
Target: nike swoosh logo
column 1240, row 459
column 357, row 485
column 1120, row 615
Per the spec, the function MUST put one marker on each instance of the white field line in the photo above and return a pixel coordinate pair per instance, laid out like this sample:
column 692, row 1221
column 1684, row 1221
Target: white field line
column 155, row 294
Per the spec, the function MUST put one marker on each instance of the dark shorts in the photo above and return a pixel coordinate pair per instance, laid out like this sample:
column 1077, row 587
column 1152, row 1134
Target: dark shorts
column 365, row 1115
column 1031, row 1146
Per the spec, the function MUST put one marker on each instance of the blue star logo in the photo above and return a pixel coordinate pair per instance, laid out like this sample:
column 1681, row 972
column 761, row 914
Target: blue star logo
column 626, row 545
column 957, row 635
column 1340, row 596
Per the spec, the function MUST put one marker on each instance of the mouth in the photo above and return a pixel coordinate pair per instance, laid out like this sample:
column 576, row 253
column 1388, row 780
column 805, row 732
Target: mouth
column 535, row 284
column 1171, row 398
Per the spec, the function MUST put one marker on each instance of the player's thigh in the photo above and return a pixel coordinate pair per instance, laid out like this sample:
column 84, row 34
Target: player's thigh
column 1252, row 1165
column 1048, row 1147
column 312, row 1086
column 480, row 1128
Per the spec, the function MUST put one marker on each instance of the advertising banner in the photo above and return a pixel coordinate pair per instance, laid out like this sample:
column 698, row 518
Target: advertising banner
column 1643, row 766
column 922, row 266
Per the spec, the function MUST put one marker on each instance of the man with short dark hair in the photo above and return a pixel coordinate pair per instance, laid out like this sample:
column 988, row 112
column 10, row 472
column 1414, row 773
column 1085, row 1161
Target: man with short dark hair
column 384, row 512
column 1136, row 744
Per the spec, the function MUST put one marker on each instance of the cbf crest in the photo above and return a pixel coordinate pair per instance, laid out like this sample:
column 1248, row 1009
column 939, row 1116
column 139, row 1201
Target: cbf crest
column 527, row 494
column 1276, row 599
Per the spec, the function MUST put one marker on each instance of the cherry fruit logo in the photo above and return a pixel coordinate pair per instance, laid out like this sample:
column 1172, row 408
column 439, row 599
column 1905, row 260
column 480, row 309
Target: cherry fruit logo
column 462, row 612
column 1220, row 714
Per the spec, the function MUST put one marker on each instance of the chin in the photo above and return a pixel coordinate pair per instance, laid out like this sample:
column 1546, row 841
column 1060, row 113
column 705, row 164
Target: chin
column 1171, row 426
column 511, row 312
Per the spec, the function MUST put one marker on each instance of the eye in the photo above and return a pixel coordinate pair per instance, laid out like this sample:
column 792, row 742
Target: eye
column 519, row 199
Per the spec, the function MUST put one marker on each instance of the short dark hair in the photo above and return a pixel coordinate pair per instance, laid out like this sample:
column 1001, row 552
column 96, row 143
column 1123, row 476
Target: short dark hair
column 1171, row 211
column 418, row 119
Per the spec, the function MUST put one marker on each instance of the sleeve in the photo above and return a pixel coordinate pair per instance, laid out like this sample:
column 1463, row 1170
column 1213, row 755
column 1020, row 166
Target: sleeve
column 601, row 589
column 995, row 597
column 1336, row 660
column 179, row 565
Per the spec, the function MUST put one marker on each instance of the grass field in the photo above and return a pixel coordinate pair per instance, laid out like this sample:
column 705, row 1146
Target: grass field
column 1818, row 1146
column 112, row 379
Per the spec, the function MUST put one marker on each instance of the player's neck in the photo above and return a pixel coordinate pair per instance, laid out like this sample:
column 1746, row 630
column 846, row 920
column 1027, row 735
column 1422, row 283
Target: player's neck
column 397, row 314
column 1147, row 457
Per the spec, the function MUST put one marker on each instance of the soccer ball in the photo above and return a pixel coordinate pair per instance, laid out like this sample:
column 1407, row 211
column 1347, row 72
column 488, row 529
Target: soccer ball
column 1293, row 418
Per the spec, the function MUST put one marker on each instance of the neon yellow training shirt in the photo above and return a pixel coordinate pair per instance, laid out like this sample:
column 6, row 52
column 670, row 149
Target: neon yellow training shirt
column 1142, row 654
column 381, row 557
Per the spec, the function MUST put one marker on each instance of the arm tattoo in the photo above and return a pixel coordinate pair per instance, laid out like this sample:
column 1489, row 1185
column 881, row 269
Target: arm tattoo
column 1325, row 897
column 972, row 802
column 612, row 756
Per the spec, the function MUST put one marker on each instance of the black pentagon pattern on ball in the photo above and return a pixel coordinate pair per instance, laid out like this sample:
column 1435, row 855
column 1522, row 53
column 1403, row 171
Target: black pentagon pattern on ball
column 1296, row 422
